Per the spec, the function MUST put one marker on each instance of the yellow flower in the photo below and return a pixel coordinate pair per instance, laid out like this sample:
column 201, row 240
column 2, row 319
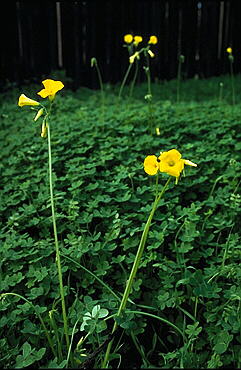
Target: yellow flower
column 153, row 40
column 24, row 100
column 128, row 38
column 151, row 53
column 172, row 163
column 51, row 87
column 151, row 165
column 229, row 50
column 137, row 40
column 133, row 57
column 158, row 131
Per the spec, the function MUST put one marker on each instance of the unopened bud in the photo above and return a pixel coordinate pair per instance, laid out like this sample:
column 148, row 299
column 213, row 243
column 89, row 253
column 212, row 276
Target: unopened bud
column 181, row 58
column 148, row 97
column 93, row 62
column 158, row 131
column 151, row 53
column 44, row 129
column 133, row 57
column 39, row 114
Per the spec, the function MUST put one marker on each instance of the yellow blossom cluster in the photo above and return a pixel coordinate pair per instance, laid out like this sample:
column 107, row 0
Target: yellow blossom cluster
column 51, row 87
column 169, row 162
column 136, row 40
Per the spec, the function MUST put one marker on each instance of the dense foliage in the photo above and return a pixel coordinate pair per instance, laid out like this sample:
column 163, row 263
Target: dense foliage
column 185, row 306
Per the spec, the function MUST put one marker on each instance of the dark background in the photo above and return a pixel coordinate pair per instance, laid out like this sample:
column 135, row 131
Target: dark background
column 38, row 37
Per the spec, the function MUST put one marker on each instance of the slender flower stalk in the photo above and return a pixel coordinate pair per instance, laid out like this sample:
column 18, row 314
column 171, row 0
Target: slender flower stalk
column 181, row 60
column 134, row 77
column 148, row 74
column 124, row 80
column 134, row 269
column 220, row 92
column 149, row 54
column 51, row 87
column 58, row 260
column 231, row 60
column 169, row 162
column 148, row 96
column 95, row 64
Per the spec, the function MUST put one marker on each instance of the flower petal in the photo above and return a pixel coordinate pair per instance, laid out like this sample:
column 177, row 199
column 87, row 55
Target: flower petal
column 174, row 170
column 24, row 100
column 43, row 93
column 151, row 165
column 186, row 161
column 51, row 87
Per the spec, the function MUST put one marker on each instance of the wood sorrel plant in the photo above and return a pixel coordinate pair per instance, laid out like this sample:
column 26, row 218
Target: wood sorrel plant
column 171, row 163
column 51, row 87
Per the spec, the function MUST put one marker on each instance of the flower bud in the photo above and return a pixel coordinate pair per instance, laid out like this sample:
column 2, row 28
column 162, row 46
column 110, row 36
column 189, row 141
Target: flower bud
column 133, row 57
column 93, row 62
column 151, row 53
column 181, row 58
column 44, row 129
column 39, row 114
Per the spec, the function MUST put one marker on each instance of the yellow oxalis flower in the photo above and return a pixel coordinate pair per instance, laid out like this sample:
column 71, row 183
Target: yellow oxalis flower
column 229, row 50
column 24, row 100
column 153, row 40
column 137, row 40
column 128, row 38
column 151, row 165
column 172, row 163
column 51, row 87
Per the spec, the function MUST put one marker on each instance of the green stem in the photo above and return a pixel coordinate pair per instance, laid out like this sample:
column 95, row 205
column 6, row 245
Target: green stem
column 232, row 82
column 227, row 246
column 195, row 315
column 134, row 78
column 148, row 74
column 178, row 80
column 220, row 92
column 124, row 80
column 143, row 313
column 149, row 94
column 55, row 329
column 101, row 83
column 61, row 288
column 135, row 266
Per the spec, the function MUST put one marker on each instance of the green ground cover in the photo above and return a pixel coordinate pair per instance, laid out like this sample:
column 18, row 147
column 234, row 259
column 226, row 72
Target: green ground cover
column 185, row 303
